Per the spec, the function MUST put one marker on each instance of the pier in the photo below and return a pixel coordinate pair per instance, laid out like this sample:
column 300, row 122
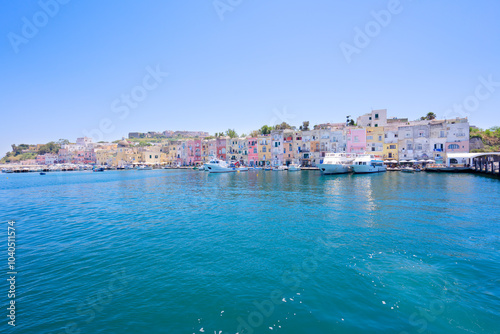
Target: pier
column 486, row 163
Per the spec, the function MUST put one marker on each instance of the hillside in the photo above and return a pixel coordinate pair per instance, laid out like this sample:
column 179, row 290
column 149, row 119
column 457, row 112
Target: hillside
column 485, row 140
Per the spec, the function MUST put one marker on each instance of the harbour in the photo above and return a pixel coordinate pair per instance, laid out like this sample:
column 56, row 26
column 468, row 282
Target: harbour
column 195, row 250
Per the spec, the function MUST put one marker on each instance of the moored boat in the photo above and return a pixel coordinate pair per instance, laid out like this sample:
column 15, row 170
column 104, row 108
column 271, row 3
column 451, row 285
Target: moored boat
column 337, row 163
column 218, row 166
column 368, row 163
column 144, row 167
column 408, row 170
column 294, row 168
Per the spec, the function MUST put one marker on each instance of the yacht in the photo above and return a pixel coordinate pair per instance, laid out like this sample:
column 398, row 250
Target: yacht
column 368, row 163
column 337, row 163
column 218, row 166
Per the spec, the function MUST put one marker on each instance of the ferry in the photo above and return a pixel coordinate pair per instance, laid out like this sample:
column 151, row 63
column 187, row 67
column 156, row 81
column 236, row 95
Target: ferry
column 218, row 166
column 368, row 163
column 337, row 163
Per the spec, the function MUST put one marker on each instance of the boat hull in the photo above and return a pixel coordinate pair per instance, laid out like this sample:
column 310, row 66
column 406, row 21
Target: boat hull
column 215, row 168
column 328, row 169
column 365, row 169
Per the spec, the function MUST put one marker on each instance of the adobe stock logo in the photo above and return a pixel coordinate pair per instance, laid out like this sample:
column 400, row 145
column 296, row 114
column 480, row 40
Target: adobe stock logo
column 30, row 28
column 363, row 37
column 223, row 6
column 483, row 91
column 127, row 102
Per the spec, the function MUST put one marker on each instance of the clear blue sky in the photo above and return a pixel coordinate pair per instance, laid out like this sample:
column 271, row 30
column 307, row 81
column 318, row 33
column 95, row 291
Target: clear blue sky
column 235, row 73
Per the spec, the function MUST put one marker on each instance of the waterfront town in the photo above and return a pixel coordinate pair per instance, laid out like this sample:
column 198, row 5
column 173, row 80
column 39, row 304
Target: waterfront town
column 389, row 138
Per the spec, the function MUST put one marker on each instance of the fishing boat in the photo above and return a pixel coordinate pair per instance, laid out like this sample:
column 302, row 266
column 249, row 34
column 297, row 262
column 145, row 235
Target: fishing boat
column 43, row 173
column 219, row 166
column 294, row 167
column 242, row 169
column 408, row 169
column 337, row 163
column 368, row 163
column 98, row 169
column 279, row 168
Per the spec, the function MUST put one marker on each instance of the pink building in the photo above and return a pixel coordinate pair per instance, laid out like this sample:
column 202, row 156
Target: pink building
column 197, row 151
column 356, row 140
column 253, row 155
column 221, row 148
column 90, row 157
column 40, row 159
column 457, row 147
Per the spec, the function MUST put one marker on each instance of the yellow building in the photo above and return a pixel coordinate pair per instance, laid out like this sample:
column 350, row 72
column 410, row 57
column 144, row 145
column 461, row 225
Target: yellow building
column 391, row 151
column 375, row 140
column 264, row 149
column 105, row 157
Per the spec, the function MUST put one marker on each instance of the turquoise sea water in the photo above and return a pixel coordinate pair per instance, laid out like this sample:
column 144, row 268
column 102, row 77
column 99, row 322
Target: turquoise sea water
column 174, row 251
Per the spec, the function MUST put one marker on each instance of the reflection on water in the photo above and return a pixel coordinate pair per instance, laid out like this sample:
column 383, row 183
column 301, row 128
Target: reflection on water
column 194, row 244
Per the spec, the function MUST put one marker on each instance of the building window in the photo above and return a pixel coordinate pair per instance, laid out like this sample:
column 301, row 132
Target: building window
column 392, row 147
column 379, row 138
column 376, row 117
column 453, row 146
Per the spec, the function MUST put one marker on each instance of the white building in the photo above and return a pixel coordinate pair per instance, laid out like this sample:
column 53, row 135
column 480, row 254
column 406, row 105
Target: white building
column 376, row 118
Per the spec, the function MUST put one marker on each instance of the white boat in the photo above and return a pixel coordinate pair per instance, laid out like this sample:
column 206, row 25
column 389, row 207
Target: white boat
column 294, row 167
column 279, row 168
column 219, row 166
column 407, row 169
column 242, row 169
column 201, row 168
column 337, row 163
column 143, row 167
column 368, row 163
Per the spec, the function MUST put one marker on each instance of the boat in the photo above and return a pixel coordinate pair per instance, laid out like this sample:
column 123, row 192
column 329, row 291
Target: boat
column 294, row 167
column 242, row 169
column 268, row 168
column 218, row 166
column 368, row 163
column 43, row 173
column 279, row 168
column 256, row 168
column 98, row 169
column 408, row 170
column 201, row 168
column 337, row 163
column 393, row 169
column 6, row 170
column 144, row 167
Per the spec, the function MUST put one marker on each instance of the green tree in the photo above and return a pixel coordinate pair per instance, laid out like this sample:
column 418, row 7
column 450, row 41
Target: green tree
column 254, row 134
column 266, row 129
column 305, row 126
column 231, row 133
column 430, row 116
